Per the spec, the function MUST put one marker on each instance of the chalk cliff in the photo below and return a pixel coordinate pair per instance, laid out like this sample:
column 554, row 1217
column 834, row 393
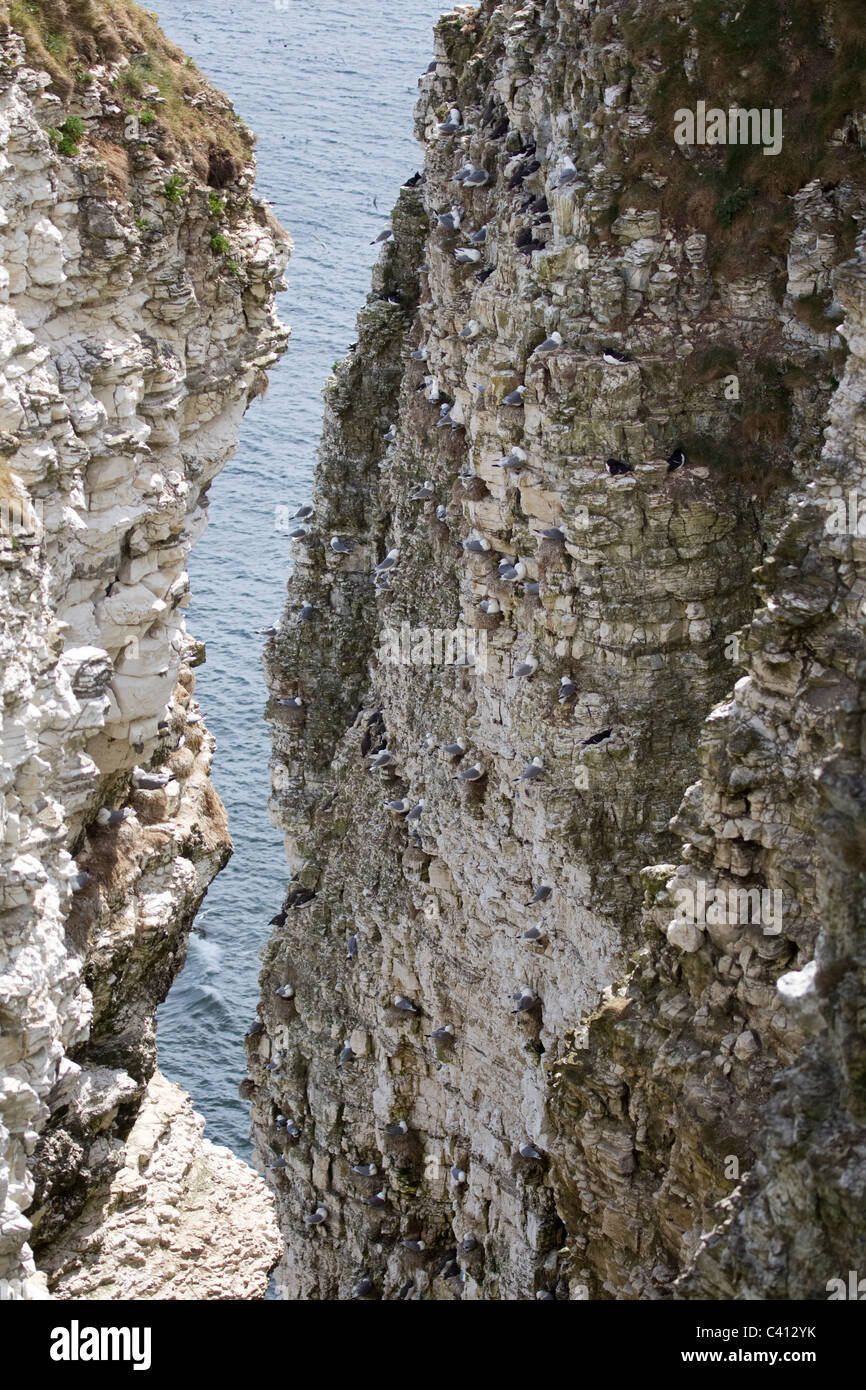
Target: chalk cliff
column 473, row 1088
column 136, row 325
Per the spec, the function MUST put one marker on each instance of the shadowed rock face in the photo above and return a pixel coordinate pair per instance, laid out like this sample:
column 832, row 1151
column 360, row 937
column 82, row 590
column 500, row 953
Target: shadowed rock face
column 656, row 1063
column 131, row 344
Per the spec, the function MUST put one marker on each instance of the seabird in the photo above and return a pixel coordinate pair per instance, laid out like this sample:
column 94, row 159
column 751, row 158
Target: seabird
column 568, row 175
column 429, row 744
column 472, row 774
column 419, row 355
column 79, row 882
column 339, row 546
column 555, row 534
column 390, row 434
column 292, row 1130
column 616, row 467
column 108, row 817
column 477, row 179
column 351, row 947
column 524, row 999
column 468, row 1244
column 389, row 561
column 422, row 493
column 533, row 934
column 441, row 512
column 445, row 1034
column 302, row 514
column 317, row 1217
column 278, row 1165
column 346, row 1055
column 485, row 274
column 471, row 330
column 532, row 771
column 463, row 173
column 417, row 811
column 516, row 459
column 529, row 1151
column 444, row 415
column 285, row 991
column 476, row 545
column 305, row 613
column 363, row 1288
column 398, row 808
column 384, row 235
column 550, row 344
column 299, row 533
column 405, row 1005
column 455, row 749
column 291, row 702
column 458, row 1175
column 515, row 397
column 567, row 690
column 614, row 358
column 676, row 460
column 452, row 124
column 478, row 238
column 467, row 255
column 450, row 221
column 527, row 666
column 490, row 606
column 383, row 759
column 598, row 738
column 263, row 632
column 365, row 1170
column 533, row 588
column 398, row 1130
column 541, row 894
column 379, row 1199
column 412, row 1244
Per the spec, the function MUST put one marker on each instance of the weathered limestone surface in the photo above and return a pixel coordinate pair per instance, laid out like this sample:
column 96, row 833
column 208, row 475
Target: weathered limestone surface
column 129, row 349
column 653, row 1053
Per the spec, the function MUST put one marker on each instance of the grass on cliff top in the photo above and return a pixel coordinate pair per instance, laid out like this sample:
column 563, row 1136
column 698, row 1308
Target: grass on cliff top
column 805, row 57
column 67, row 38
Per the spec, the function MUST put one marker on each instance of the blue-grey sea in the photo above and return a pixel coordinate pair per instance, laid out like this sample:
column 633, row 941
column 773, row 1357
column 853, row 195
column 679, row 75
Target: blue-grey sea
column 329, row 88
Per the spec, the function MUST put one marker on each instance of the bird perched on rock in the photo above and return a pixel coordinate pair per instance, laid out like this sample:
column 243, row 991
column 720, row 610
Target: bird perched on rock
column 567, row 690
column 527, row 667
column 477, row 179
column 302, row 514
column 363, row 1288
column 422, row 493
column 532, row 771
column 339, row 546
column 305, row 613
column 450, row 221
column 452, row 123
column 398, row 1130
column 442, row 512
column 614, row 358
column 105, row 816
column 417, row 810
column 524, row 1000
column 516, row 459
column 415, row 1245
column 478, row 238
column 616, row 467
column 390, row 435
column 467, row 255
column 597, row 738
column 352, row 947
column 551, row 344
column 384, row 235
column 285, row 992
column 390, row 561
column 317, row 1217
column 445, row 1034
column 419, row 355
column 405, row 1005
column 555, row 534
column 529, row 1151
column 347, row 1054
column 476, row 545
column 457, row 1175
column 515, row 397
column 398, row 807
column 541, row 894
column 530, row 590
column 471, row 774
column 383, row 759
column 455, row 749
column 365, row 1170
column 471, row 330
column 533, row 934
column 378, row 1200
column 676, row 460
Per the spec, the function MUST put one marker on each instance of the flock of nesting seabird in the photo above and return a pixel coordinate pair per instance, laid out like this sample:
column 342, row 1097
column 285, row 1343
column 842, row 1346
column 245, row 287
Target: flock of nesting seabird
column 451, row 223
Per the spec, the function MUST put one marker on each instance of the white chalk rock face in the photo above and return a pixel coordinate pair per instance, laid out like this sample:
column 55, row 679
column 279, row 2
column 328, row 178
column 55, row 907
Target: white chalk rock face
column 129, row 351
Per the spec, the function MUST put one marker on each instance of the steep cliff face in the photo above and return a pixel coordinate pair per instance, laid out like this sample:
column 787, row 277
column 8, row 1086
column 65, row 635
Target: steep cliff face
column 136, row 325
column 470, row 1087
